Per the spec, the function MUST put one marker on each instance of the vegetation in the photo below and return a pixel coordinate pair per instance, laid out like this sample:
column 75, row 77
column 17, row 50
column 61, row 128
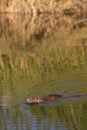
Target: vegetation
column 35, row 7
column 29, row 57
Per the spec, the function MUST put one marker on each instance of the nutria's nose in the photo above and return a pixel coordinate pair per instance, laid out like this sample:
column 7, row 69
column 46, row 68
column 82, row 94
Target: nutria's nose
column 27, row 100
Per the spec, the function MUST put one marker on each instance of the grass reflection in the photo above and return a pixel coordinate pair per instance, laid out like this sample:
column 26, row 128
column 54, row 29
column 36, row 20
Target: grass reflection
column 69, row 116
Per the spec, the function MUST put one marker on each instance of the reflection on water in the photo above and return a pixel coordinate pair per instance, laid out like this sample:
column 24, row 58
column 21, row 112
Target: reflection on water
column 39, row 57
column 64, row 116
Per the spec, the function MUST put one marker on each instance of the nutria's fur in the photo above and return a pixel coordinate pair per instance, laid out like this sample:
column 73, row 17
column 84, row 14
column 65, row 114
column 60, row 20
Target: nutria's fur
column 36, row 100
column 52, row 97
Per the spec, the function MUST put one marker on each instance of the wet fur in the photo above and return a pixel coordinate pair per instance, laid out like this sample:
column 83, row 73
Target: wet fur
column 51, row 97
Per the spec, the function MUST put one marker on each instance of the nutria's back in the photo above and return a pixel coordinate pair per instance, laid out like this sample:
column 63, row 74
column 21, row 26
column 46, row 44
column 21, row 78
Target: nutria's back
column 52, row 97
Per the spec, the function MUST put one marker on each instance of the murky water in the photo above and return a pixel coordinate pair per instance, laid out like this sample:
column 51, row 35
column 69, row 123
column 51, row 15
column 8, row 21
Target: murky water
column 41, row 56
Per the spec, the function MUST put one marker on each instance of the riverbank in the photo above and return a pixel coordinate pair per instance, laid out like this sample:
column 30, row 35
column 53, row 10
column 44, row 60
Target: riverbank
column 35, row 7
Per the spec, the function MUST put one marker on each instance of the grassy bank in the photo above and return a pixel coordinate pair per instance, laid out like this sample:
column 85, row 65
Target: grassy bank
column 42, row 6
column 25, row 52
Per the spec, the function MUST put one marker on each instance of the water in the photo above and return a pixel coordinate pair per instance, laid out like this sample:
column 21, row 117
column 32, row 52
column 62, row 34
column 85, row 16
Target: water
column 40, row 56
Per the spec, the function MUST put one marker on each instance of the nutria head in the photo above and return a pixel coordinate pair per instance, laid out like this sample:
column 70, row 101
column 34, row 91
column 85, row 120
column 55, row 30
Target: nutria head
column 28, row 100
column 34, row 100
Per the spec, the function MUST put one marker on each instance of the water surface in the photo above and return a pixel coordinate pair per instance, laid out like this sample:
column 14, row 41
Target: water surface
column 40, row 56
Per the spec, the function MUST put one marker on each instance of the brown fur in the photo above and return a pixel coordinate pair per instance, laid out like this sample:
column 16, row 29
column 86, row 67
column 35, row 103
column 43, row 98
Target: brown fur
column 52, row 97
column 36, row 100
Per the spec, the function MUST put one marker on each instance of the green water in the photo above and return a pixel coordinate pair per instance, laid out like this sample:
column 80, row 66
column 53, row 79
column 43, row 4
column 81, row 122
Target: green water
column 38, row 58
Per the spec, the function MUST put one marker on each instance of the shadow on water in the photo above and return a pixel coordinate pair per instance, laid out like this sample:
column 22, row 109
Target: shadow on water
column 41, row 56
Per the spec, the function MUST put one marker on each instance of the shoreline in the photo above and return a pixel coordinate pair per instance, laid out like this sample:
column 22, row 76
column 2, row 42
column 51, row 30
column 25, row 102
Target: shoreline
column 67, row 8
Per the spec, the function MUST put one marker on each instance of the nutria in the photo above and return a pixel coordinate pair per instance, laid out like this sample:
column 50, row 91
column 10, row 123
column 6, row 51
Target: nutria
column 36, row 100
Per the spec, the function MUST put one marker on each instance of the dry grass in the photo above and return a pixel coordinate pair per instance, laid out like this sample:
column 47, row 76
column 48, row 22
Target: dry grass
column 43, row 6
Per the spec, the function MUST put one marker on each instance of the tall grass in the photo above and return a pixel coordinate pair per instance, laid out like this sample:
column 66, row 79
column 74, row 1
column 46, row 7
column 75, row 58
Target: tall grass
column 35, row 7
